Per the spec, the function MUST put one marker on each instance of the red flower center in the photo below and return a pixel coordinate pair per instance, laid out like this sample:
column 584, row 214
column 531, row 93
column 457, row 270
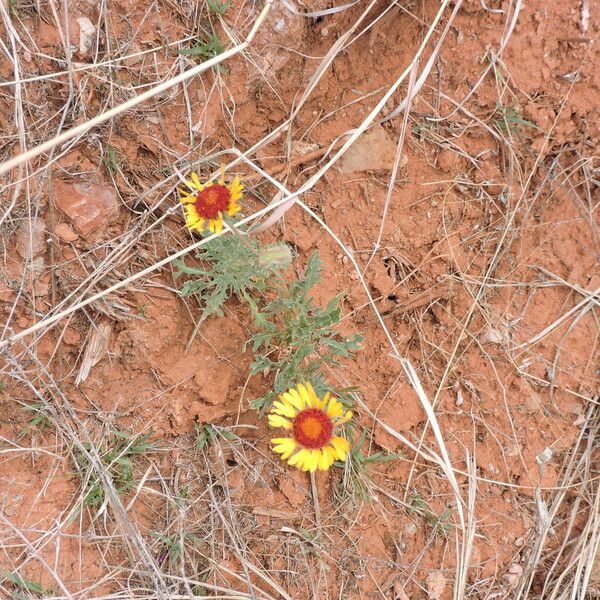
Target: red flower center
column 212, row 200
column 312, row 428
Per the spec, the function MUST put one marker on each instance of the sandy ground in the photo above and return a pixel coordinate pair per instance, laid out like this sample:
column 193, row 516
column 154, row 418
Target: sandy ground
column 486, row 277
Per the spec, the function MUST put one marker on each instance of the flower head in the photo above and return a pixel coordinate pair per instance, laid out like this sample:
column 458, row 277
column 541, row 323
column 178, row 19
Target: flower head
column 312, row 422
column 207, row 203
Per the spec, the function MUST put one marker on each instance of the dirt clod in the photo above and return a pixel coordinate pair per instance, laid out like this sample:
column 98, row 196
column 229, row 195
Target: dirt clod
column 88, row 205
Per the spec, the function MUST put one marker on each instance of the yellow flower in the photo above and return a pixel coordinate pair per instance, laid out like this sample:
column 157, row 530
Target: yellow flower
column 312, row 422
column 206, row 204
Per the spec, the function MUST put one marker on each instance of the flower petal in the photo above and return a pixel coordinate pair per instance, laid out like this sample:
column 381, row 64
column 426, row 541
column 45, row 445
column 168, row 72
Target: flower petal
column 233, row 209
column 326, row 459
column 304, row 394
column 335, row 408
column 216, row 225
column 284, row 446
column 294, row 400
column 186, row 196
column 279, row 421
column 293, row 392
column 196, row 181
column 340, row 446
column 312, row 463
column 299, row 457
column 345, row 418
column 284, row 408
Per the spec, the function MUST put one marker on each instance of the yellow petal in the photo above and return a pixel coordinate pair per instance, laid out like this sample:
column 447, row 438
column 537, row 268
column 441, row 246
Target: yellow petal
column 299, row 457
column 292, row 400
column 196, row 181
column 284, row 446
column 284, row 408
column 340, row 446
column 330, row 452
column 313, row 460
column 278, row 421
column 305, row 396
column 325, row 458
column 317, row 402
column 233, row 209
column 186, row 196
column 282, row 440
column 216, row 225
column 345, row 418
column 298, row 398
column 335, row 408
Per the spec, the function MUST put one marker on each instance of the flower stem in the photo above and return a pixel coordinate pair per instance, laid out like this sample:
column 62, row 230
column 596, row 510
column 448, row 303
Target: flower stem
column 315, row 493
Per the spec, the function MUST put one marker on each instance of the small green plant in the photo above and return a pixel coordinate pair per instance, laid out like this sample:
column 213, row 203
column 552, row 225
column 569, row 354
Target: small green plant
column 207, row 50
column 296, row 338
column 439, row 523
column 25, row 585
column 13, row 7
column 118, row 456
column 40, row 421
column 356, row 483
column 509, row 120
column 219, row 8
column 110, row 160
column 172, row 546
column 207, row 434
column 233, row 267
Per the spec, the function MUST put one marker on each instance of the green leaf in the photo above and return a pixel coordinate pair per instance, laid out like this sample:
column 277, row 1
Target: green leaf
column 217, row 7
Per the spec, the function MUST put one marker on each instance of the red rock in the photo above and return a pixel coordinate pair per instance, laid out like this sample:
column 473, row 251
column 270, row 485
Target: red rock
column 293, row 488
column 89, row 206
column 65, row 233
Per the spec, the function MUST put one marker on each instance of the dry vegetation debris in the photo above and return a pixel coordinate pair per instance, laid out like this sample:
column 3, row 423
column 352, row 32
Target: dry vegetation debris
column 440, row 157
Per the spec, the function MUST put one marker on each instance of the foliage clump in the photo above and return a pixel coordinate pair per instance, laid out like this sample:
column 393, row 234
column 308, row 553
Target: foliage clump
column 294, row 338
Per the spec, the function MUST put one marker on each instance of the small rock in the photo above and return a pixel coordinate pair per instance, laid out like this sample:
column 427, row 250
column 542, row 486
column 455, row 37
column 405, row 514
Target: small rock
column 133, row 55
column 447, row 160
column 31, row 238
column 301, row 148
column 294, row 491
column 513, row 574
column 594, row 283
column 41, row 288
column 65, row 233
column 68, row 254
column 374, row 150
column 72, row 337
column 89, row 206
column 6, row 294
column 87, row 35
column 436, row 584
column 411, row 529
column 496, row 335
column 459, row 398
